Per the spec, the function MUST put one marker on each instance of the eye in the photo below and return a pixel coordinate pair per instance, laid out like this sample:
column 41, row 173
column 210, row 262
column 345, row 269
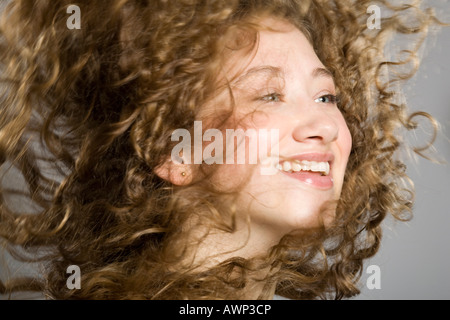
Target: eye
column 328, row 98
column 272, row 97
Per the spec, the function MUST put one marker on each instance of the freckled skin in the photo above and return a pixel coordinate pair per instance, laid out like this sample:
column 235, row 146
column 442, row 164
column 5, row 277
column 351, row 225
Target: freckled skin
column 295, row 101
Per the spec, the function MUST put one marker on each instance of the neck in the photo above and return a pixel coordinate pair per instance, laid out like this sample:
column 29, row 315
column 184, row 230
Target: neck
column 215, row 247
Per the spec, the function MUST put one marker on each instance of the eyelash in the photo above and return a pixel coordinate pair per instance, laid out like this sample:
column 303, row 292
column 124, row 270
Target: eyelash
column 279, row 97
column 266, row 98
column 333, row 99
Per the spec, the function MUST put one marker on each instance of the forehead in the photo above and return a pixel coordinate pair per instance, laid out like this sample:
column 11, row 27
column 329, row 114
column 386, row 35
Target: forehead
column 280, row 46
column 286, row 48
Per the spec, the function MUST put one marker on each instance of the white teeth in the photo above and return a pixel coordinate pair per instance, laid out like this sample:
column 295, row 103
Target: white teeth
column 304, row 165
column 296, row 167
column 287, row 166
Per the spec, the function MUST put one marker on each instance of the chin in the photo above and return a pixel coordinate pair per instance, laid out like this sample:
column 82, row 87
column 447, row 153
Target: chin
column 317, row 217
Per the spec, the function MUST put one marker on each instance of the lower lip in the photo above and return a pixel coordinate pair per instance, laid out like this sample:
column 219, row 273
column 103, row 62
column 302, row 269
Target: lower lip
column 315, row 180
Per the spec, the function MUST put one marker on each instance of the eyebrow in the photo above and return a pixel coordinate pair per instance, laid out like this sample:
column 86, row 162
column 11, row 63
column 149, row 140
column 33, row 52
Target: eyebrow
column 322, row 72
column 266, row 71
column 271, row 71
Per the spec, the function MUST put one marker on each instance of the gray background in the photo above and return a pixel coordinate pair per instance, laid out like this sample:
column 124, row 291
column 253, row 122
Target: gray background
column 414, row 258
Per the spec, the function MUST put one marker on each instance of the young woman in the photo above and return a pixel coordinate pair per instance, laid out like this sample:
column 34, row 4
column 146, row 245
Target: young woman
column 91, row 118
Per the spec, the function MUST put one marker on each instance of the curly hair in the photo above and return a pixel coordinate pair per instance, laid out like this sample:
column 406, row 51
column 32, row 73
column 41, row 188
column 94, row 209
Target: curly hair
column 87, row 116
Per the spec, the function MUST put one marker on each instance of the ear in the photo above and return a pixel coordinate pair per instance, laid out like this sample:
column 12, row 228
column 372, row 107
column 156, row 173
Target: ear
column 179, row 174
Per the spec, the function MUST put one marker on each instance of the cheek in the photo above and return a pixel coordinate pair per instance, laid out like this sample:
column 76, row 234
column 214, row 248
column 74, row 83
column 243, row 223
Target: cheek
column 238, row 153
column 345, row 139
column 344, row 144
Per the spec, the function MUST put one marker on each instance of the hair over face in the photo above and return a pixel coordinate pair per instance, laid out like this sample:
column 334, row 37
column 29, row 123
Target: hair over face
column 87, row 115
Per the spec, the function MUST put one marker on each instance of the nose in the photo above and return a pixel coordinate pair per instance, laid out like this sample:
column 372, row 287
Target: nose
column 315, row 126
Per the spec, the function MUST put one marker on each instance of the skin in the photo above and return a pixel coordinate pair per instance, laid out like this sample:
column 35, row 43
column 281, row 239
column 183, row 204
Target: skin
column 283, row 86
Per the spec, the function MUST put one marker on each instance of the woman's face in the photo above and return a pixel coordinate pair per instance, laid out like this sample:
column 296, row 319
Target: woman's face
column 286, row 87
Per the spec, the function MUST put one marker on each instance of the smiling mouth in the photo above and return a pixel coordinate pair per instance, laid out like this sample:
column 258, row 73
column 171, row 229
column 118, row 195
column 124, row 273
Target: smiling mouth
column 322, row 167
